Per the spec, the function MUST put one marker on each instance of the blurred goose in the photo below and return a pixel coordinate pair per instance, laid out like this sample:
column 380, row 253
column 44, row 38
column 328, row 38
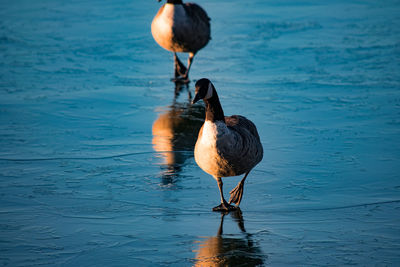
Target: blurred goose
column 179, row 27
column 226, row 146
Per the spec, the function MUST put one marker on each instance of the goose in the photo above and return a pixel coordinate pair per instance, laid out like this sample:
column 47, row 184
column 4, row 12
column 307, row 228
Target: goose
column 226, row 146
column 180, row 27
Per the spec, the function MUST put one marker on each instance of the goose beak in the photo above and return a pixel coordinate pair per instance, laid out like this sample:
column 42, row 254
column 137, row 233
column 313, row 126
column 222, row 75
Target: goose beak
column 196, row 98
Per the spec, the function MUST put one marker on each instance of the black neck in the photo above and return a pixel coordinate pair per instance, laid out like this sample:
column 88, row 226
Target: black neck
column 178, row 2
column 214, row 110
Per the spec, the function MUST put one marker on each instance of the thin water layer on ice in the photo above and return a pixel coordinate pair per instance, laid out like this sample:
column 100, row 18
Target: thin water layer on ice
column 96, row 144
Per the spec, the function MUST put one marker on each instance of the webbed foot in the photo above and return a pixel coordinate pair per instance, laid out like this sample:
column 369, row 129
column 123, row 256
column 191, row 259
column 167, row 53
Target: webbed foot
column 223, row 207
column 237, row 193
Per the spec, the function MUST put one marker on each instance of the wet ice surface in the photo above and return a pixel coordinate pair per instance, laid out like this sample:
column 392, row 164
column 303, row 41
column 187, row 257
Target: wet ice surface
column 82, row 184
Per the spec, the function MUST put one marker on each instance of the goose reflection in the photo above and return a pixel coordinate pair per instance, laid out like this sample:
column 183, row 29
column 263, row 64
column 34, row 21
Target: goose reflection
column 175, row 132
column 221, row 250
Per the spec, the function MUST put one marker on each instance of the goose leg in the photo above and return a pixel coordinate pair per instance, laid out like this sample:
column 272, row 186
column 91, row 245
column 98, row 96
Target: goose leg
column 185, row 77
column 179, row 68
column 237, row 192
column 224, row 206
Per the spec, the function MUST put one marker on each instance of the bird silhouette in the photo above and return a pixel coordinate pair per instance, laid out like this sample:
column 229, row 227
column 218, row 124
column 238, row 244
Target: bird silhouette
column 181, row 27
column 226, row 146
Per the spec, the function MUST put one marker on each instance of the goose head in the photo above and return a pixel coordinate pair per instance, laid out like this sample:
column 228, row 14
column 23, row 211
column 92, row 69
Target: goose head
column 204, row 90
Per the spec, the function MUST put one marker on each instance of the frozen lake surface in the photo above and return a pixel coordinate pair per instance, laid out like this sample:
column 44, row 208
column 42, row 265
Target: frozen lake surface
column 96, row 152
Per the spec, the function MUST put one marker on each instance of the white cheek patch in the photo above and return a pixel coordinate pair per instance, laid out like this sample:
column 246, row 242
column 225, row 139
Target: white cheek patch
column 209, row 91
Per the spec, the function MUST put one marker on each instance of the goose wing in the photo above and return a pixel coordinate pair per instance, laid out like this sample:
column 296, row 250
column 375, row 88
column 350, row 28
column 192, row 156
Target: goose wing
column 196, row 12
column 246, row 149
column 240, row 124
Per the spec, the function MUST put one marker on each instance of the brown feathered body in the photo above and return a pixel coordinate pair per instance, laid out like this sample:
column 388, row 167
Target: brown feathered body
column 228, row 148
column 181, row 27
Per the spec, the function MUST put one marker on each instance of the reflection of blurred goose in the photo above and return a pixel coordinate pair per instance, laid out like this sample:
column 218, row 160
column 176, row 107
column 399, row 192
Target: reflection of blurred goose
column 223, row 251
column 226, row 146
column 175, row 131
column 179, row 27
